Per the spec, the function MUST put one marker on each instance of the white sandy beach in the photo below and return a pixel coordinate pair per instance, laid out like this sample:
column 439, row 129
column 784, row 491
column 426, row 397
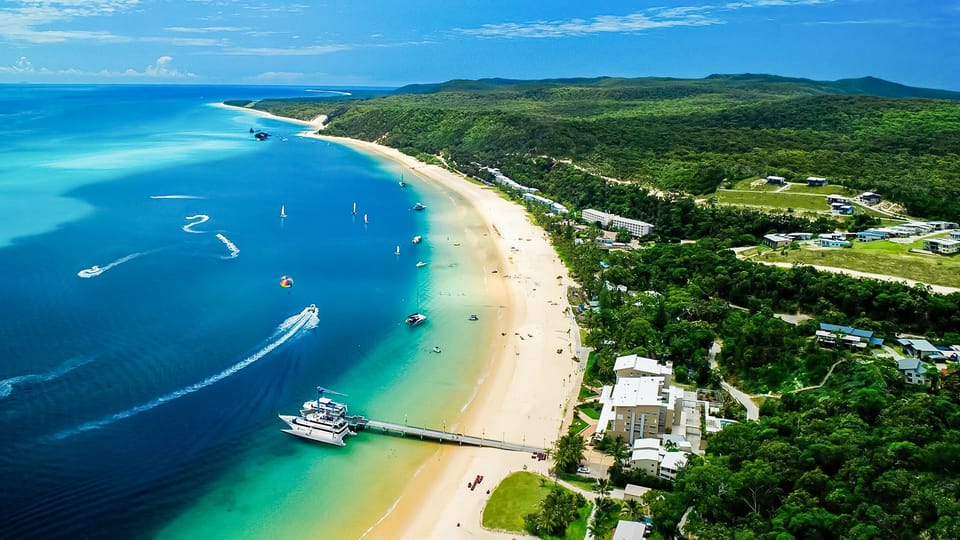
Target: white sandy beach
column 531, row 383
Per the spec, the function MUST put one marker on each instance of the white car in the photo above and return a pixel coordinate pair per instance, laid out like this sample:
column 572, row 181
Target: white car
column 583, row 470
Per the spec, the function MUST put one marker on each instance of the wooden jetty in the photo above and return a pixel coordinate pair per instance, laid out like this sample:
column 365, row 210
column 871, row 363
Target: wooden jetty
column 360, row 423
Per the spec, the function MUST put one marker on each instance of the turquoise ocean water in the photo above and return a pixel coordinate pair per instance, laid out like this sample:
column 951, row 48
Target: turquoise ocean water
column 142, row 401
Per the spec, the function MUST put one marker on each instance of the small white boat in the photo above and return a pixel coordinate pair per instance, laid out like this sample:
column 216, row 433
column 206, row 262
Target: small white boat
column 417, row 239
column 436, row 349
column 397, row 251
column 90, row 272
column 415, row 319
column 283, row 213
column 365, row 221
column 354, row 208
column 421, row 264
column 474, row 318
column 419, row 206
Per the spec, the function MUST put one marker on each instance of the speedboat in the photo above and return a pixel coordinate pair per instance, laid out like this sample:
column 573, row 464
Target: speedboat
column 421, row 264
column 436, row 349
column 90, row 272
column 418, row 206
column 474, row 317
column 415, row 319
column 417, row 239
column 312, row 308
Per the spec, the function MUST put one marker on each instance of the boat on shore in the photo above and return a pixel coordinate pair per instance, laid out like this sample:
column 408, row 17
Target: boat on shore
column 417, row 239
column 322, row 420
column 416, row 319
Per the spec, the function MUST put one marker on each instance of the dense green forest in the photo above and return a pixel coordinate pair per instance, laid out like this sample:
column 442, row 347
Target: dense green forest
column 675, row 134
column 862, row 457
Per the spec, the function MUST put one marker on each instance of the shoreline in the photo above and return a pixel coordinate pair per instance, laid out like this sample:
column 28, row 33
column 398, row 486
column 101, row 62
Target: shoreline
column 528, row 387
column 528, row 378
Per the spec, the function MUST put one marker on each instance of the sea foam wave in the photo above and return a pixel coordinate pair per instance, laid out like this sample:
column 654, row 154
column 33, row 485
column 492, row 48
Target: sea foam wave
column 289, row 329
column 7, row 385
column 200, row 218
column 234, row 250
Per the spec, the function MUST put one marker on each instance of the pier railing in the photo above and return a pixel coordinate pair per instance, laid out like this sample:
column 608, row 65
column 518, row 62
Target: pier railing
column 366, row 424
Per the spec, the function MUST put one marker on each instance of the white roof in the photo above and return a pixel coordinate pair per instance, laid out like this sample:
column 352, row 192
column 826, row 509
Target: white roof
column 646, row 443
column 629, row 530
column 642, row 364
column 635, row 490
column 645, row 454
column 674, row 460
column 634, row 391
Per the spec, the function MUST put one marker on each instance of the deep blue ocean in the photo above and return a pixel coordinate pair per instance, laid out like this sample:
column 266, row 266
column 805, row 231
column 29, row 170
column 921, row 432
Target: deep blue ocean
column 139, row 402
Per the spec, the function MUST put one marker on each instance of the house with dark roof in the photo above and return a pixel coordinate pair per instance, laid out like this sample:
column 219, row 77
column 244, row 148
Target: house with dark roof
column 816, row 181
column 870, row 198
column 776, row 180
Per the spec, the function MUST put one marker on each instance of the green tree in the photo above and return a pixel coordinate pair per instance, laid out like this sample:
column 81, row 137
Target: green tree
column 569, row 452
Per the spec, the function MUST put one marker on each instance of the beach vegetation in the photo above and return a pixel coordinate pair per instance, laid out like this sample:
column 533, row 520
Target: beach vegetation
column 556, row 512
column 569, row 452
column 577, row 425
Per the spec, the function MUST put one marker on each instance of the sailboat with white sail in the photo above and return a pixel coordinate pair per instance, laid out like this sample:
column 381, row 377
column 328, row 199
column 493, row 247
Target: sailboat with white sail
column 354, row 208
column 283, row 212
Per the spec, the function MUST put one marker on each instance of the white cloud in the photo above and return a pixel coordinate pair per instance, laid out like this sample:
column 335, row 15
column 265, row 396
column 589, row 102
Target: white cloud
column 205, row 29
column 277, row 76
column 160, row 69
column 24, row 20
column 648, row 19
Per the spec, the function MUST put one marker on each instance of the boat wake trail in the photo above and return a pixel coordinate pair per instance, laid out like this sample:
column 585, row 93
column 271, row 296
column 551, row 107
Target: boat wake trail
column 6, row 385
column 200, row 218
column 175, row 197
column 95, row 270
column 234, row 250
column 290, row 329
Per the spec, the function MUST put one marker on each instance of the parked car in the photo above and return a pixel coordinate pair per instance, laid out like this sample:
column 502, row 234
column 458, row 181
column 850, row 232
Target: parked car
column 583, row 470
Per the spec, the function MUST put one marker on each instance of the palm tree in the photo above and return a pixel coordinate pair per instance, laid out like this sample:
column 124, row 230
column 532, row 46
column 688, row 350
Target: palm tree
column 619, row 451
column 569, row 452
column 632, row 510
column 601, row 487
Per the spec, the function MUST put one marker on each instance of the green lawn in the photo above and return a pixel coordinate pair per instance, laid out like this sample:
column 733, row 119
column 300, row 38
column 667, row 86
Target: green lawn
column 586, row 393
column 746, row 185
column 583, row 482
column 520, row 494
column 824, row 190
column 577, row 425
column 879, row 257
column 591, row 409
column 517, row 495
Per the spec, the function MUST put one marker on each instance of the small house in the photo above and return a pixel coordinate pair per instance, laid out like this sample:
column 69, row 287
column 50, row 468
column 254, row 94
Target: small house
column 842, row 209
column 800, row 235
column 955, row 235
column 870, row 236
column 776, row 180
column 837, row 199
column 816, row 181
column 776, row 240
column 870, row 198
column 919, row 348
column 914, row 370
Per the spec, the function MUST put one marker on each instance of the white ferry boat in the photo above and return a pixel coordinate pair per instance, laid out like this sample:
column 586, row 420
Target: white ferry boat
column 323, row 420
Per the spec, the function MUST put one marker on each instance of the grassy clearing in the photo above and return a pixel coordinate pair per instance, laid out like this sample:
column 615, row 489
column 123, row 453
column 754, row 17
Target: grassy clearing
column 823, row 190
column 517, row 495
column 748, row 185
column 586, row 393
column 879, row 257
column 578, row 425
column 591, row 409
column 585, row 483
column 783, row 200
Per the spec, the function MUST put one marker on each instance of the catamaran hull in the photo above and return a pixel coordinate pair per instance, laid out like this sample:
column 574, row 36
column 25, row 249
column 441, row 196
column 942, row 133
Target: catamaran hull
column 313, row 433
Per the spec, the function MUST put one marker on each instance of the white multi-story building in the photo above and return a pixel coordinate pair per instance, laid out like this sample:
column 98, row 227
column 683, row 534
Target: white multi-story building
column 635, row 227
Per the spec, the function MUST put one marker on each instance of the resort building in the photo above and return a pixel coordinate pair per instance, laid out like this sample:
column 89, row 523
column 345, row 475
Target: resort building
column 632, row 365
column 943, row 246
column 776, row 240
column 776, row 180
column 649, row 456
column 800, row 235
column 830, row 335
column 955, row 235
column 635, row 227
column 555, row 206
column 629, row 530
column 637, row 408
column 842, row 209
column 870, row 236
column 919, row 348
column 505, row 181
column 816, row 181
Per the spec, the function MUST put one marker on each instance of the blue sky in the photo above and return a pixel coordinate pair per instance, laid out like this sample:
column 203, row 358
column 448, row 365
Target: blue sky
column 395, row 42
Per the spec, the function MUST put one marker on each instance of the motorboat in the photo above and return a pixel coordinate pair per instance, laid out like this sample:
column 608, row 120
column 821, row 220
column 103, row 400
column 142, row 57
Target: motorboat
column 436, row 349
column 397, row 251
column 419, row 206
column 474, row 317
column 421, row 264
column 416, row 319
column 93, row 271
column 312, row 308
column 417, row 239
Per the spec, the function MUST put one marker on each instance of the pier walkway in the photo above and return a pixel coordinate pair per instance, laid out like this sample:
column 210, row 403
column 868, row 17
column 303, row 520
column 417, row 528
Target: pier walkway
column 361, row 423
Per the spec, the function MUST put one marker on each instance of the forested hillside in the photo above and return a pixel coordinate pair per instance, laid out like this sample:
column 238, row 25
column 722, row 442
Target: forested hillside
column 674, row 134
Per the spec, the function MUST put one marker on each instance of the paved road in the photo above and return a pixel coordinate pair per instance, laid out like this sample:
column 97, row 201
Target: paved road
column 753, row 412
